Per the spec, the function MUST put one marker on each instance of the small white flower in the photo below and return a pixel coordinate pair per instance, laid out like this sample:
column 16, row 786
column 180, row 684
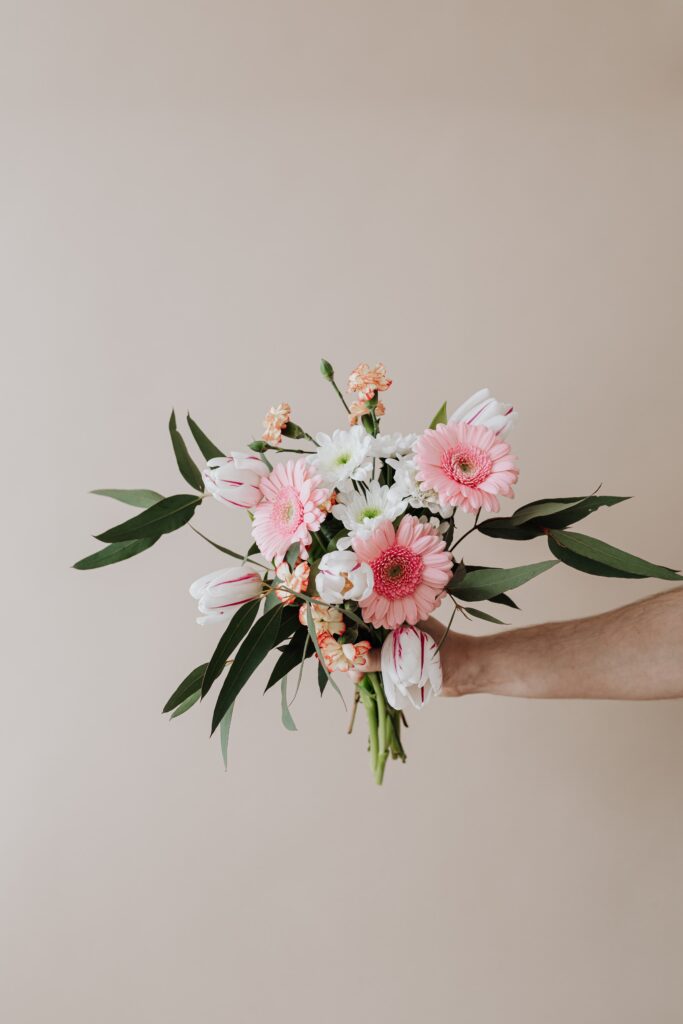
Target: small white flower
column 221, row 593
column 436, row 524
column 361, row 513
column 391, row 446
column 343, row 577
column 411, row 667
column 484, row 410
column 343, row 456
column 408, row 486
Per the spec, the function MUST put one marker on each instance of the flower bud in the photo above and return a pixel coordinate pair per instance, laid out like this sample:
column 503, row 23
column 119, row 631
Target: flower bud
column 343, row 577
column 234, row 479
column 326, row 369
column 411, row 667
column 258, row 446
column 221, row 593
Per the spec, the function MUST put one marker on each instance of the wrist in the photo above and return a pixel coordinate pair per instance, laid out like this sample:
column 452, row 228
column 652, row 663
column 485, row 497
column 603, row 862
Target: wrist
column 462, row 661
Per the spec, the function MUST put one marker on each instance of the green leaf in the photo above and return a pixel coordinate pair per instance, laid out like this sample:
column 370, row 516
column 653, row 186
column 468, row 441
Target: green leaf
column 322, row 678
column 219, row 547
column 289, row 658
column 483, row 584
column 603, row 554
column 186, row 465
column 115, row 553
column 287, row 719
column 478, row 614
column 234, row 633
column 586, row 565
column 192, row 683
column 140, row 498
column 165, row 516
column 533, row 519
column 254, row 649
column 440, row 417
column 504, row 599
column 292, row 554
column 225, row 723
column 205, row 445
column 186, row 705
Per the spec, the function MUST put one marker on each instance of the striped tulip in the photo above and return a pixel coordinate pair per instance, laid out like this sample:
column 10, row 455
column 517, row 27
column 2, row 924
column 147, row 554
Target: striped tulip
column 483, row 410
column 411, row 667
column 234, row 479
column 221, row 593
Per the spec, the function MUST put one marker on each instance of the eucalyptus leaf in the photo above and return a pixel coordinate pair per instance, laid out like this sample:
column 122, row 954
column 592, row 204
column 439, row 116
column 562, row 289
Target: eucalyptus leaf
column 205, row 444
column 226, row 722
column 322, row 678
column 478, row 614
column 234, row 633
column 287, row 719
column 255, row 647
column 140, row 498
column 440, row 417
column 483, row 584
column 292, row 555
column 186, row 464
column 192, row 683
column 504, row 599
column 611, row 557
column 226, row 551
column 186, row 704
column 587, row 565
column 289, row 658
column 165, row 516
column 115, row 553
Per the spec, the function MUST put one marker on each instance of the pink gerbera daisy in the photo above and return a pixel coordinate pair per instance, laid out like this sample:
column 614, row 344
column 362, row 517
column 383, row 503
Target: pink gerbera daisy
column 411, row 568
column 291, row 508
column 466, row 465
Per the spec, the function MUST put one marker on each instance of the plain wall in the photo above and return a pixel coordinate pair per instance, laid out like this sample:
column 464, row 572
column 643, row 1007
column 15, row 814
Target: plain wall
column 199, row 200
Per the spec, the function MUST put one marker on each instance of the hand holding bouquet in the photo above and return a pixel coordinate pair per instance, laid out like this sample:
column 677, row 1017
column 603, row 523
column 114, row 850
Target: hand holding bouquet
column 356, row 540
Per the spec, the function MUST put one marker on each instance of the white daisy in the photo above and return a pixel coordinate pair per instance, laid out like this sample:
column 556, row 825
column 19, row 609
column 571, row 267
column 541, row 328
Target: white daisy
column 408, row 486
column 362, row 513
column 343, row 456
column 391, row 446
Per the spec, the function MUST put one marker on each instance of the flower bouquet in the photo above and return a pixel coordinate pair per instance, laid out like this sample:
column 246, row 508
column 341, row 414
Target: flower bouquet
column 355, row 541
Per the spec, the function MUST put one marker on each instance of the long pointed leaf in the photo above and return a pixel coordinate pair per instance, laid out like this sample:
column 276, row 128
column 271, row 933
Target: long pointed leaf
column 163, row 517
column 289, row 658
column 482, row 584
column 255, row 647
column 205, row 444
column 611, row 557
column 586, row 565
column 478, row 614
column 440, row 417
column 188, row 469
column 115, row 553
column 226, row 722
column 140, row 498
column 188, row 703
column 192, row 683
column 234, row 633
column 287, row 719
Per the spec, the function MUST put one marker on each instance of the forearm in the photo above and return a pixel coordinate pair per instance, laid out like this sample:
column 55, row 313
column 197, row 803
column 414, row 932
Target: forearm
column 633, row 653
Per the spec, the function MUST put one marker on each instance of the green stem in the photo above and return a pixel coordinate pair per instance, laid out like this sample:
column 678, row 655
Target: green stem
column 342, row 399
column 370, row 705
column 382, row 718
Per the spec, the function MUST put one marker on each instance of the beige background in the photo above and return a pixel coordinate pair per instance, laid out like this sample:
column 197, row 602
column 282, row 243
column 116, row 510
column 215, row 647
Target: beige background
column 199, row 200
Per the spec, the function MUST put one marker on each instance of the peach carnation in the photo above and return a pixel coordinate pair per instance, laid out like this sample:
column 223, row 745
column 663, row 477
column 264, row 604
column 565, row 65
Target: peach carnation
column 466, row 465
column 295, row 579
column 343, row 657
column 291, row 509
column 360, row 408
column 365, row 381
column 411, row 569
column 275, row 422
column 326, row 618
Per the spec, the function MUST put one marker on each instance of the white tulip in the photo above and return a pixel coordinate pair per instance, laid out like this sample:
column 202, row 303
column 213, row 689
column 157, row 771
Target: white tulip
column 221, row 593
column 343, row 577
column 235, row 479
column 484, row 410
column 411, row 667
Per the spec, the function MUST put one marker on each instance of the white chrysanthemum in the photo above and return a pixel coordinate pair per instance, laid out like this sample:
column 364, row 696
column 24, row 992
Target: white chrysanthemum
column 391, row 446
column 408, row 486
column 362, row 513
column 343, row 456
